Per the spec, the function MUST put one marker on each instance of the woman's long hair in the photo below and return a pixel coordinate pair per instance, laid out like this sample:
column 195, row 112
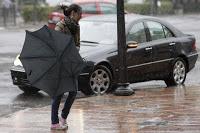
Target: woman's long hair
column 73, row 7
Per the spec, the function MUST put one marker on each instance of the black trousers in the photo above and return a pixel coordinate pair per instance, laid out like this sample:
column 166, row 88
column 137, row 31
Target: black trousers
column 67, row 106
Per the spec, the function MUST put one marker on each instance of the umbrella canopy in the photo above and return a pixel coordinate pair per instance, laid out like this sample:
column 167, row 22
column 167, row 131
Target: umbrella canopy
column 51, row 61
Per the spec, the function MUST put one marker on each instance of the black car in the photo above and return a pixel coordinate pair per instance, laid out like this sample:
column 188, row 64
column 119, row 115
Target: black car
column 155, row 51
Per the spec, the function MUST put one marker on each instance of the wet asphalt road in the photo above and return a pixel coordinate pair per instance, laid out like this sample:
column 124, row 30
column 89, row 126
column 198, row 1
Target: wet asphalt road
column 11, row 41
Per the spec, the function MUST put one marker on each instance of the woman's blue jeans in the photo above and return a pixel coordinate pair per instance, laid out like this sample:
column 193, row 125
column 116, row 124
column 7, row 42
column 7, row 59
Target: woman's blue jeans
column 67, row 106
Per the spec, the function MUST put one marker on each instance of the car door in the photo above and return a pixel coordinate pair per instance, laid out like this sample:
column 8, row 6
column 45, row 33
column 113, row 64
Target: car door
column 138, row 58
column 161, row 39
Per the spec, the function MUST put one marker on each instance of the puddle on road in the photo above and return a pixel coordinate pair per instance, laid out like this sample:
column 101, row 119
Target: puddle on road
column 153, row 122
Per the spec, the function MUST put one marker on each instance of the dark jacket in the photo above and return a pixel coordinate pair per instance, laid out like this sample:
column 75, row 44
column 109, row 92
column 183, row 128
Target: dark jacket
column 69, row 26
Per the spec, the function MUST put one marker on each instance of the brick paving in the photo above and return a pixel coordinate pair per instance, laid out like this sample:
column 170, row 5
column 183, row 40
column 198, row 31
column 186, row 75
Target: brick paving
column 152, row 110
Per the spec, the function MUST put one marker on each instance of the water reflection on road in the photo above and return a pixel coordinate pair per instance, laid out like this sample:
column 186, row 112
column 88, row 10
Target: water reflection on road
column 148, row 110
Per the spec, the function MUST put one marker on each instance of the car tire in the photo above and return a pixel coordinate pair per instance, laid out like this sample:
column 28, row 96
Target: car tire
column 178, row 73
column 29, row 90
column 100, row 81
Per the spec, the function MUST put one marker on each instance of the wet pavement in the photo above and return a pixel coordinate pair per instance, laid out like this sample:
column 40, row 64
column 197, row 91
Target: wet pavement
column 163, row 110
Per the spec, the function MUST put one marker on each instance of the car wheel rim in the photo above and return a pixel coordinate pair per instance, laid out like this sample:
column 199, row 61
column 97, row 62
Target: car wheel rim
column 99, row 81
column 179, row 72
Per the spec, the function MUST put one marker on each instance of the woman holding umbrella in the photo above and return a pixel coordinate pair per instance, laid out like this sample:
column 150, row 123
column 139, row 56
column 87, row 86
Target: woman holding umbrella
column 71, row 27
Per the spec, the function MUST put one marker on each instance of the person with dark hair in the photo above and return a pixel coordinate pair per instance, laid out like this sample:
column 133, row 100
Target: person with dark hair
column 69, row 26
column 70, row 23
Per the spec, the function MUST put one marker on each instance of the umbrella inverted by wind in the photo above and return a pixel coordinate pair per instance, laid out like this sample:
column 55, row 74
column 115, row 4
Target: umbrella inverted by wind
column 51, row 61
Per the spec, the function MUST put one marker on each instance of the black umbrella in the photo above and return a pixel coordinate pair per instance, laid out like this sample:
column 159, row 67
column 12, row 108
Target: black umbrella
column 51, row 61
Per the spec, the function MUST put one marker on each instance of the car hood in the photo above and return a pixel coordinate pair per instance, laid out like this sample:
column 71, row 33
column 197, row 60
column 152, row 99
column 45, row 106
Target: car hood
column 89, row 50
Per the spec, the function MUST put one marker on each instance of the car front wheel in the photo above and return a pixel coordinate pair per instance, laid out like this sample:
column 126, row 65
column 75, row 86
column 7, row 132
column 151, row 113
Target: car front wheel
column 100, row 80
column 178, row 73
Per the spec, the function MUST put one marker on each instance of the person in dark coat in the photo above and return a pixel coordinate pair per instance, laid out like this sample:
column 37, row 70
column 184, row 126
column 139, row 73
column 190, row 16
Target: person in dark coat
column 71, row 27
column 70, row 24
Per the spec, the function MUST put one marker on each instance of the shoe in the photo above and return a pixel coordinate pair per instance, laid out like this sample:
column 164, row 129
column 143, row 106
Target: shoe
column 58, row 127
column 63, row 122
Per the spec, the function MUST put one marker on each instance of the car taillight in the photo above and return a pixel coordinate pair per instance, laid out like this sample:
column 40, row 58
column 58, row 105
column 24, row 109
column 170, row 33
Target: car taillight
column 194, row 45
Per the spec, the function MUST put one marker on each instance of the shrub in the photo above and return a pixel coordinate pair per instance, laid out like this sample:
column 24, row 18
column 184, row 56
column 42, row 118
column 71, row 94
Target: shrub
column 145, row 8
column 166, row 8
column 138, row 8
column 41, row 13
column 193, row 7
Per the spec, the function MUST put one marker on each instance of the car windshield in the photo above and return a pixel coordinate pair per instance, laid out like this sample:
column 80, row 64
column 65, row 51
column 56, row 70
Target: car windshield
column 95, row 32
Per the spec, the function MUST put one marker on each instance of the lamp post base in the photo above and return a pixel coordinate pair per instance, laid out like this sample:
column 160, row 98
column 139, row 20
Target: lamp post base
column 124, row 90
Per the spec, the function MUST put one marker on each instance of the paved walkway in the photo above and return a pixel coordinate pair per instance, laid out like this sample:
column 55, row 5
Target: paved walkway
column 152, row 110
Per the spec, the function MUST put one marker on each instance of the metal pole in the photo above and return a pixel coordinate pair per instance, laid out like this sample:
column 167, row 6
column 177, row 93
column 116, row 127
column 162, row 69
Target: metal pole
column 121, row 35
column 121, row 41
column 4, row 16
column 14, row 12
column 154, row 7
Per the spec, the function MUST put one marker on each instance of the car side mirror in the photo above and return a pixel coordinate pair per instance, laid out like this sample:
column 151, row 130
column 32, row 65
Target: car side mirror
column 132, row 44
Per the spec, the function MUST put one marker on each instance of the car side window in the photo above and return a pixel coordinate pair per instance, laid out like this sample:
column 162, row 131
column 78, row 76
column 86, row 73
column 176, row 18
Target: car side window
column 137, row 33
column 156, row 30
column 89, row 8
column 108, row 8
column 167, row 32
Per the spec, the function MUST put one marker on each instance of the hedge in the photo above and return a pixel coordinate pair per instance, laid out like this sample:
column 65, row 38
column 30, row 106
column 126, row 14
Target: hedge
column 193, row 7
column 138, row 8
column 145, row 8
column 28, row 13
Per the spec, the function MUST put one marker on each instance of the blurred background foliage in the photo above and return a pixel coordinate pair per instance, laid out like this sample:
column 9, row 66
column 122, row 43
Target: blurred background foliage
column 39, row 9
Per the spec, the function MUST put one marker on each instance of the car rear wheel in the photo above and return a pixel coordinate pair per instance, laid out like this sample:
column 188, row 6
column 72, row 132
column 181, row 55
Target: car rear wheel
column 100, row 81
column 29, row 90
column 177, row 74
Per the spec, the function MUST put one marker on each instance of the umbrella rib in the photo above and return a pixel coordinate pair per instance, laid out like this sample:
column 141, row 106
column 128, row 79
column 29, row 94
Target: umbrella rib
column 44, row 73
column 49, row 57
column 65, row 48
column 51, row 36
column 44, row 42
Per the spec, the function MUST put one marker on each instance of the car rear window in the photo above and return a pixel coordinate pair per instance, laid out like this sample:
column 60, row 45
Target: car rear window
column 168, row 33
column 156, row 30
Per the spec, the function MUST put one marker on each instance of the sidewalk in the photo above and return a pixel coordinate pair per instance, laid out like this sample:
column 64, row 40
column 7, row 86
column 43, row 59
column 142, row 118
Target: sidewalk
column 152, row 110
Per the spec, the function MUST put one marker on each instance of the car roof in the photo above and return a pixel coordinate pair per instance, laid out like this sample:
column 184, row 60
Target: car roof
column 129, row 19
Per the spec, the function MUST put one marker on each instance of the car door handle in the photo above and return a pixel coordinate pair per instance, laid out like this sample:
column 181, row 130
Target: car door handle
column 172, row 44
column 149, row 48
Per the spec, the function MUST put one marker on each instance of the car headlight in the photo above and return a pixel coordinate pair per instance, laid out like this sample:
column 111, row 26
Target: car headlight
column 17, row 61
